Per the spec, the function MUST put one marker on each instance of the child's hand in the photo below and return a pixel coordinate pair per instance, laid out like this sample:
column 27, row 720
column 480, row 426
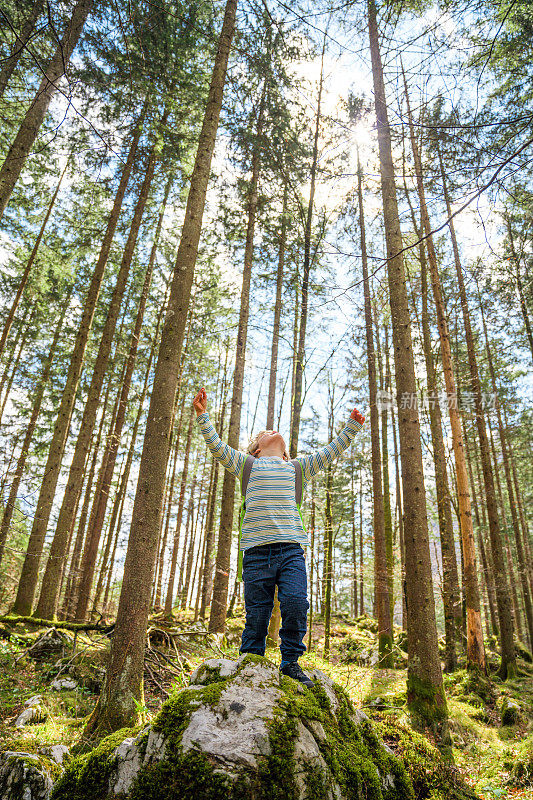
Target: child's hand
column 200, row 402
column 357, row 416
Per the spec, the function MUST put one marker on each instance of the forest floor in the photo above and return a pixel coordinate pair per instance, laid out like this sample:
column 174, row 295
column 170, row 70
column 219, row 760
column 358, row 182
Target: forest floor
column 495, row 759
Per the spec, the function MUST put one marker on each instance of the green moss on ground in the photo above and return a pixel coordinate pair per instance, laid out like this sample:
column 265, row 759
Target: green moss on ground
column 431, row 774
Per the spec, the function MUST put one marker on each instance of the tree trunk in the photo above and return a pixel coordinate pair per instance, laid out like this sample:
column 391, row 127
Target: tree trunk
column 311, row 567
column 110, row 455
column 169, row 600
column 503, row 598
column 47, row 604
column 361, row 563
column 381, row 578
column 522, row 556
column 399, row 511
column 26, row 274
column 475, row 651
column 123, row 686
column 21, row 40
column 300, row 357
column 37, row 402
column 21, row 147
column 450, row 575
column 30, row 569
column 162, row 544
column 207, row 580
column 518, row 495
column 517, row 616
column 71, row 593
column 354, row 540
column 277, row 315
column 425, row 693
column 328, row 560
column 485, row 562
column 520, row 288
column 220, row 583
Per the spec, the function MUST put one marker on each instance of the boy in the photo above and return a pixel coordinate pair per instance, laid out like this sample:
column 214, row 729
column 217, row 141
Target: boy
column 273, row 534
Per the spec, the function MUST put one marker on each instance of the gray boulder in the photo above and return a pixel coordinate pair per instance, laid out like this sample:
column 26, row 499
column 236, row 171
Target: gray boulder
column 241, row 731
column 34, row 712
column 29, row 776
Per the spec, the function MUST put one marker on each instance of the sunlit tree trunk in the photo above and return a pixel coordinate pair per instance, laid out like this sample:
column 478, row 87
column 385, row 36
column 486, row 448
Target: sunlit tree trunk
column 381, row 578
column 425, row 693
column 503, row 598
column 328, row 536
column 354, row 539
column 522, row 556
column 519, row 286
column 312, row 593
column 475, row 650
column 450, row 576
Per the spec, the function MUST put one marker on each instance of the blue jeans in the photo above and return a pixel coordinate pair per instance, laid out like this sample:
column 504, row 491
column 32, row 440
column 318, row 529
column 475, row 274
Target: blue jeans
column 263, row 567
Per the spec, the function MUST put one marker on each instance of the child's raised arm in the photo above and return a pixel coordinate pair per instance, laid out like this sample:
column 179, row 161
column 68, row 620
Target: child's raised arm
column 312, row 464
column 231, row 459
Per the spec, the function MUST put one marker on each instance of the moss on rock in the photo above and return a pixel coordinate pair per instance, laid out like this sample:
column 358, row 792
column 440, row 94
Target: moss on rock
column 297, row 744
column 88, row 775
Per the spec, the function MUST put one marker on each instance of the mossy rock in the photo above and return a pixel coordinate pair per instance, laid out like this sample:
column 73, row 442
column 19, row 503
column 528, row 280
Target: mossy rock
column 243, row 732
column 510, row 712
column 28, row 776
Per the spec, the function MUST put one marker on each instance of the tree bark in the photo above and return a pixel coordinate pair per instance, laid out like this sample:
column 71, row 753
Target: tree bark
column 47, row 605
column 30, row 569
column 503, row 597
column 300, row 357
column 123, row 686
column 520, row 288
column 221, row 579
column 110, row 455
column 354, row 540
column 522, row 556
column 181, row 502
column 361, row 562
column 475, row 651
column 450, row 574
column 277, row 315
column 22, row 144
column 425, row 694
column 381, row 578
column 311, row 567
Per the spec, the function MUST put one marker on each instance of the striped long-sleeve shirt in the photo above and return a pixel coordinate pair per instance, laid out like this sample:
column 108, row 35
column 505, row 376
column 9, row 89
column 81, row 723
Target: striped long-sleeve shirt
column 271, row 511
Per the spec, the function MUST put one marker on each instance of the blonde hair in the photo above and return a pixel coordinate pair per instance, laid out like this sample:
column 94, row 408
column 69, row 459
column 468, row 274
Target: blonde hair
column 252, row 446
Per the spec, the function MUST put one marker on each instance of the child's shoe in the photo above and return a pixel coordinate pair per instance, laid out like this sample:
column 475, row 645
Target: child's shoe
column 294, row 670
